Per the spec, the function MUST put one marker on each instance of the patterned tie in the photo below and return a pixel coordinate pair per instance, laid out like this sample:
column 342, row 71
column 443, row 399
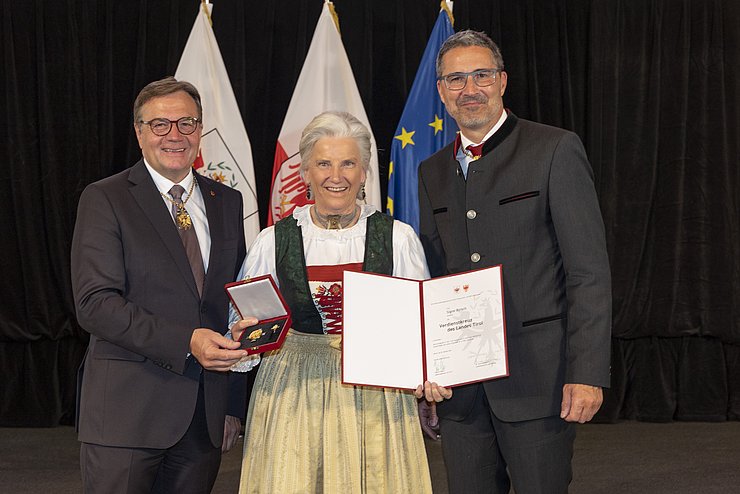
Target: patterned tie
column 189, row 240
column 476, row 151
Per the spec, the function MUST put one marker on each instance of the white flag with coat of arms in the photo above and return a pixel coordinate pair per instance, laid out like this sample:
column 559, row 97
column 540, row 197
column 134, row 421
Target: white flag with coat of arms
column 225, row 153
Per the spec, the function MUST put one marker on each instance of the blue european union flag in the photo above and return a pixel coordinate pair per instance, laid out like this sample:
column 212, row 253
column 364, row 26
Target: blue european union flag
column 425, row 127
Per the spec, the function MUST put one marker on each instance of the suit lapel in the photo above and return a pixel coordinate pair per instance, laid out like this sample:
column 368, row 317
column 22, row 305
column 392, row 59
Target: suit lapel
column 451, row 179
column 150, row 201
column 214, row 211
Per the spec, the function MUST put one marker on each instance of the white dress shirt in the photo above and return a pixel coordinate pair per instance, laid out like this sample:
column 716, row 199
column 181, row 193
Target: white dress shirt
column 463, row 158
column 195, row 207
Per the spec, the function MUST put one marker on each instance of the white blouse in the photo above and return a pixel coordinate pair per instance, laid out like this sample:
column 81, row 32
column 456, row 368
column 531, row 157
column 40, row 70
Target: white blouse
column 330, row 247
column 324, row 247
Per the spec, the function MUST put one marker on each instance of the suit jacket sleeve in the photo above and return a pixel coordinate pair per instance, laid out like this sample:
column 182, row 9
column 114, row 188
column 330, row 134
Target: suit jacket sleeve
column 579, row 229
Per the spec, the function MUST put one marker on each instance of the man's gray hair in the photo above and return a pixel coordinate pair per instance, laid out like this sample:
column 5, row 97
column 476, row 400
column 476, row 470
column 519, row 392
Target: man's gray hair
column 334, row 124
column 470, row 38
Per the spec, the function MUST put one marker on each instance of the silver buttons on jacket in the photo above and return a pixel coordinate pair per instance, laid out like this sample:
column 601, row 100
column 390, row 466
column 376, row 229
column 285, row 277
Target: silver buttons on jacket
column 475, row 257
column 471, row 214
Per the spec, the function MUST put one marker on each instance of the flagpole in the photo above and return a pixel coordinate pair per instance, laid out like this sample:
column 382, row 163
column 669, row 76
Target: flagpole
column 204, row 4
column 334, row 15
column 447, row 5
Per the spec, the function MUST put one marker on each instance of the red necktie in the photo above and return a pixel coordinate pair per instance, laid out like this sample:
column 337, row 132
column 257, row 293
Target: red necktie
column 476, row 151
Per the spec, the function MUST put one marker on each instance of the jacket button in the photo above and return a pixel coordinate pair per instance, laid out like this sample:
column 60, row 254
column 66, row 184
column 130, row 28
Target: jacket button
column 471, row 214
column 475, row 257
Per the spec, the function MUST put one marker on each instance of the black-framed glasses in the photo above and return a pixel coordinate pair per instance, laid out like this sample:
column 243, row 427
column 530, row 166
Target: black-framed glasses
column 163, row 126
column 457, row 81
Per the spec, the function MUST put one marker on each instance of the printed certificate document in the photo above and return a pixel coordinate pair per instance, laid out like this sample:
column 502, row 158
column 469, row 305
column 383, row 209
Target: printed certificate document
column 399, row 333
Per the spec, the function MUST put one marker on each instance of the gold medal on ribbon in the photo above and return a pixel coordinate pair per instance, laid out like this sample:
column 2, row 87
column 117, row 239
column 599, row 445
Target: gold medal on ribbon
column 183, row 218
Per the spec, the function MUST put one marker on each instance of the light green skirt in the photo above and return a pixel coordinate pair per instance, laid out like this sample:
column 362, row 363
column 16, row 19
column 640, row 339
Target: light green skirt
column 306, row 432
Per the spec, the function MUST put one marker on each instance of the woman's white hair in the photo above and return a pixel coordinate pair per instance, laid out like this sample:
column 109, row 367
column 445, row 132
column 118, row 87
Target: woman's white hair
column 334, row 124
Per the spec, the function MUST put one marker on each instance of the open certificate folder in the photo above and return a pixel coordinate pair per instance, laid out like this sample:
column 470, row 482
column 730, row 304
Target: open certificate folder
column 399, row 333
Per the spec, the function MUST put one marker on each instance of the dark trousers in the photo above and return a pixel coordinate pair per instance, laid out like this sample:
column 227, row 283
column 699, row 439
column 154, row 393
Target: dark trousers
column 483, row 454
column 190, row 466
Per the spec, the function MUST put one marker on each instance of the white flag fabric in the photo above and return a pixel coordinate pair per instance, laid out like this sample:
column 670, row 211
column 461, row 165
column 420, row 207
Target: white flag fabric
column 326, row 83
column 225, row 153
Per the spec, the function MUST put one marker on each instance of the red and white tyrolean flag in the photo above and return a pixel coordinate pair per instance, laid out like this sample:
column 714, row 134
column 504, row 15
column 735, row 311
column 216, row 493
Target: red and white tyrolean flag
column 326, row 83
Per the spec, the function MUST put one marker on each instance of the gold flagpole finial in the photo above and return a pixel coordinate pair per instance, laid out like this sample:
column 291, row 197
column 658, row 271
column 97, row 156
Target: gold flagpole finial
column 204, row 6
column 443, row 5
column 334, row 15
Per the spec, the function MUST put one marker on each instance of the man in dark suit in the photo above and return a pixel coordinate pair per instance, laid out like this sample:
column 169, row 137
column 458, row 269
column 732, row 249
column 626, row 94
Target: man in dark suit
column 520, row 194
column 153, row 247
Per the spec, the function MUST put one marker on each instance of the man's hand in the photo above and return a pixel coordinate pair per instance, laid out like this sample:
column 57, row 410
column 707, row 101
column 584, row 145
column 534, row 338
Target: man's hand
column 232, row 429
column 580, row 402
column 239, row 326
column 433, row 392
column 214, row 351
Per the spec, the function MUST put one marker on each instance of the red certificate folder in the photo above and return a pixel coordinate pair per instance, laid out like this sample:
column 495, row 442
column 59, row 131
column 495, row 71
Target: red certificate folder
column 399, row 333
column 259, row 297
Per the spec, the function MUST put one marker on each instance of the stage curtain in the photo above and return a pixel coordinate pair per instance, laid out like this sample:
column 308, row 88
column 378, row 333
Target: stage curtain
column 651, row 86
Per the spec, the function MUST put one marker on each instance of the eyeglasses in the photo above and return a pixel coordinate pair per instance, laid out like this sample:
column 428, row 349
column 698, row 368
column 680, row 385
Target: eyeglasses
column 163, row 126
column 457, row 81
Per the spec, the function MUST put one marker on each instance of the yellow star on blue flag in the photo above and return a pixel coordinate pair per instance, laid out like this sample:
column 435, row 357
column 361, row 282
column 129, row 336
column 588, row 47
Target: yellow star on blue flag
column 405, row 137
column 437, row 125
column 425, row 125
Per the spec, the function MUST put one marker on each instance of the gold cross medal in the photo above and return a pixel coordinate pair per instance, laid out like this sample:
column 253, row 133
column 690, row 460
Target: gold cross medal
column 183, row 218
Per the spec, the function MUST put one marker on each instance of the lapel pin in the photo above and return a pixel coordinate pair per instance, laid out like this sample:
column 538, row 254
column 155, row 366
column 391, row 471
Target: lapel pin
column 213, row 194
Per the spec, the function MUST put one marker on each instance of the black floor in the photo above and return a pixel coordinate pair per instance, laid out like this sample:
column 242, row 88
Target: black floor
column 625, row 458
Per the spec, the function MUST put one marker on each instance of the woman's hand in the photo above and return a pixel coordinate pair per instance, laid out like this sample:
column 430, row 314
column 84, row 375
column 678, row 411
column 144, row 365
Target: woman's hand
column 433, row 392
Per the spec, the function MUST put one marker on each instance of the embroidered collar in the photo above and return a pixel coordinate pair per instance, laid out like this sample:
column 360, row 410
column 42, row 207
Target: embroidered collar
column 492, row 141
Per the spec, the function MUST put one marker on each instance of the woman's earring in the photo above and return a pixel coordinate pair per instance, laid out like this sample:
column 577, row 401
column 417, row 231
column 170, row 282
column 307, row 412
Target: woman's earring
column 361, row 194
column 308, row 192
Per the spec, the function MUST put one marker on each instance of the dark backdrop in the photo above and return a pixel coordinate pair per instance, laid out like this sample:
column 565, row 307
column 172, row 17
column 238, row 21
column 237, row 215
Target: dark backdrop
column 651, row 86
